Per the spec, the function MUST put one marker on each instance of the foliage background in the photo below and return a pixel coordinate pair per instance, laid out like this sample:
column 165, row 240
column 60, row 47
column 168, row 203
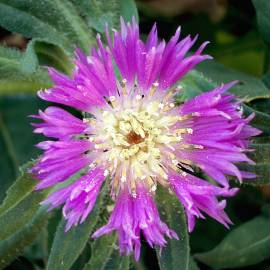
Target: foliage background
column 35, row 34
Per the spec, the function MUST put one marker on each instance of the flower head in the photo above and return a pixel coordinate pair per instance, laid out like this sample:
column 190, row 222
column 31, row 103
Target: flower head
column 133, row 132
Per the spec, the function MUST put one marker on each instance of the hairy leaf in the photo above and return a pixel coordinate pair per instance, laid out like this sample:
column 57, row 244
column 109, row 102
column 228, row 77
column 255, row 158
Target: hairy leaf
column 16, row 217
column 263, row 9
column 52, row 21
column 44, row 54
column 262, row 168
column 67, row 246
column 175, row 255
column 16, row 72
column 192, row 85
column 246, row 245
column 249, row 87
column 20, row 189
column 99, row 12
column 13, row 246
column 118, row 262
column 20, row 205
column 104, row 254
column 261, row 120
column 129, row 10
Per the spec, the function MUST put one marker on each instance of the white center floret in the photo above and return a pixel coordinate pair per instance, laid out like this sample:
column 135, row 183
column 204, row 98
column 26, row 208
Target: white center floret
column 135, row 138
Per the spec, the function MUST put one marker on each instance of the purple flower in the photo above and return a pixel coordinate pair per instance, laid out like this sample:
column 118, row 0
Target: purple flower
column 134, row 133
column 133, row 216
column 78, row 198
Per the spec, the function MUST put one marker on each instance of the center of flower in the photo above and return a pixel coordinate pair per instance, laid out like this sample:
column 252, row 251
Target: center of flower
column 135, row 139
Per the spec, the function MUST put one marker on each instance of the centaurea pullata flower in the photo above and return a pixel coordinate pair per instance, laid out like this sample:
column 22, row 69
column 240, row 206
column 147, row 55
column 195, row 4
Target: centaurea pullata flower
column 133, row 134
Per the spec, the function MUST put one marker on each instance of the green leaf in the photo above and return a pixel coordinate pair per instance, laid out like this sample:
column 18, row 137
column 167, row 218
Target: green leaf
column 39, row 250
column 99, row 12
column 13, row 246
column 175, row 255
column 246, row 245
column 192, row 264
column 9, row 61
column 20, row 189
column 192, row 85
column 16, row 217
column 261, row 156
column 266, row 79
column 53, row 56
column 29, row 61
column 67, row 246
column 52, row 21
column 262, row 105
column 261, row 153
column 261, row 120
column 261, row 148
column 249, row 87
column 103, row 253
column 128, row 10
column 118, row 262
column 45, row 54
column 17, row 87
column 263, row 9
column 102, row 250
column 19, row 72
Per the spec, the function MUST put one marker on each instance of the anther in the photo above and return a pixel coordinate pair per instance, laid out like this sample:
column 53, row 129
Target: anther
column 198, row 146
column 184, row 130
column 112, row 100
column 153, row 88
column 92, row 165
column 161, row 106
column 174, row 161
column 124, row 86
column 106, row 173
column 169, row 95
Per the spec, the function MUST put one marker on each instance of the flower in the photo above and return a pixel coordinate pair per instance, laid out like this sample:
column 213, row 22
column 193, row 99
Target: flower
column 133, row 134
